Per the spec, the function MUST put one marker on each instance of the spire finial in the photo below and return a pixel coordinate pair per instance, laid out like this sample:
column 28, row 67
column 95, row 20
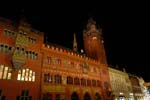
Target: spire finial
column 75, row 44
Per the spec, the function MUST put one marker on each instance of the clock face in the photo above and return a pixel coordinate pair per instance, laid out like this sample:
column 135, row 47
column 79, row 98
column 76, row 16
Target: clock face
column 89, row 33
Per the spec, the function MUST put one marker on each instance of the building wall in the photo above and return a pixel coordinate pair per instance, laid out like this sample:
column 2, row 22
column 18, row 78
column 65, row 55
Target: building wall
column 120, row 83
column 39, row 71
column 20, row 61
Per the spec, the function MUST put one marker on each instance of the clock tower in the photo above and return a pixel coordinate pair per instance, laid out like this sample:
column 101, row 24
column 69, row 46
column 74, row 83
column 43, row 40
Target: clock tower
column 93, row 42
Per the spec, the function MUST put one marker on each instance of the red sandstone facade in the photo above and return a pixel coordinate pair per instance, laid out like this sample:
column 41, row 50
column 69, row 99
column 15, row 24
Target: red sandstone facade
column 33, row 70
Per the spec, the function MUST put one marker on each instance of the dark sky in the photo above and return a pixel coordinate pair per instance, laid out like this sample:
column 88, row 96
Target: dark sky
column 125, row 28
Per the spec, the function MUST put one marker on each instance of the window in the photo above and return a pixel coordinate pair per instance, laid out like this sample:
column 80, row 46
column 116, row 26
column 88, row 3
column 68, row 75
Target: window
column 65, row 62
column 49, row 60
column 2, row 97
column 58, row 79
column 0, row 92
column 30, row 75
column 1, row 47
column 56, row 61
column 72, row 64
column 57, row 96
column 31, row 55
column 17, row 50
column 10, row 49
column 69, row 80
column 4, row 48
column 24, row 95
column 33, row 77
column 106, row 84
column 26, row 75
column 83, row 82
column 93, row 83
column 59, row 61
column 22, row 51
column 76, row 81
column 48, row 78
column 47, row 96
column 31, row 40
column 8, row 33
column 81, row 66
column 5, row 72
column 88, row 82
column 9, row 73
column 98, row 83
column 35, row 56
column 1, row 71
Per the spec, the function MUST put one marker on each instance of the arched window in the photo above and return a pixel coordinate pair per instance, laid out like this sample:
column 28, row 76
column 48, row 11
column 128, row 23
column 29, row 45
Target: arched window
column 26, row 75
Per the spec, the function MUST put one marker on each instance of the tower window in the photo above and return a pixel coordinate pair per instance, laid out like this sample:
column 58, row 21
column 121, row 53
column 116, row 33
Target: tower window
column 94, row 38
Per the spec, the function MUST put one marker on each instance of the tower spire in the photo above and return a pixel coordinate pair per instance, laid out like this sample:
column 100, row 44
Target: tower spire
column 75, row 44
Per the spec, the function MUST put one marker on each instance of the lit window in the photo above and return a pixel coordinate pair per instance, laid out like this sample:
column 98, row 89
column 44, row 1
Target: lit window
column 5, row 72
column 26, row 75
column 9, row 74
column 33, row 77
column 1, row 71
column 30, row 75
column 23, row 75
column 94, row 38
column 19, row 75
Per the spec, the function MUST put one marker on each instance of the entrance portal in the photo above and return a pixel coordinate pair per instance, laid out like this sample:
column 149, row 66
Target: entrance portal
column 87, row 96
column 97, row 97
column 74, row 96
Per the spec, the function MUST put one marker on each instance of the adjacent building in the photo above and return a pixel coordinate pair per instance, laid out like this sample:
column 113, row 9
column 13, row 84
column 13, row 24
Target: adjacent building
column 121, row 85
column 147, row 95
column 141, row 83
column 33, row 70
column 136, row 87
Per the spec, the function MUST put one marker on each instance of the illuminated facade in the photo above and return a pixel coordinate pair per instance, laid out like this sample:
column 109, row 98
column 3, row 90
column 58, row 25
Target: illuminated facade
column 144, row 89
column 121, row 85
column 33, row 70
column 136, row 87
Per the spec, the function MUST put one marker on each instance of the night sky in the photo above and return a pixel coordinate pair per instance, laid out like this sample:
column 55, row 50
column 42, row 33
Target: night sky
column 125, row 28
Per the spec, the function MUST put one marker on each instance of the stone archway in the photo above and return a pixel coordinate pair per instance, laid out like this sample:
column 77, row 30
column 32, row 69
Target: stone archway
column 74, row 96
column 97, row 97
column 87, row 96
